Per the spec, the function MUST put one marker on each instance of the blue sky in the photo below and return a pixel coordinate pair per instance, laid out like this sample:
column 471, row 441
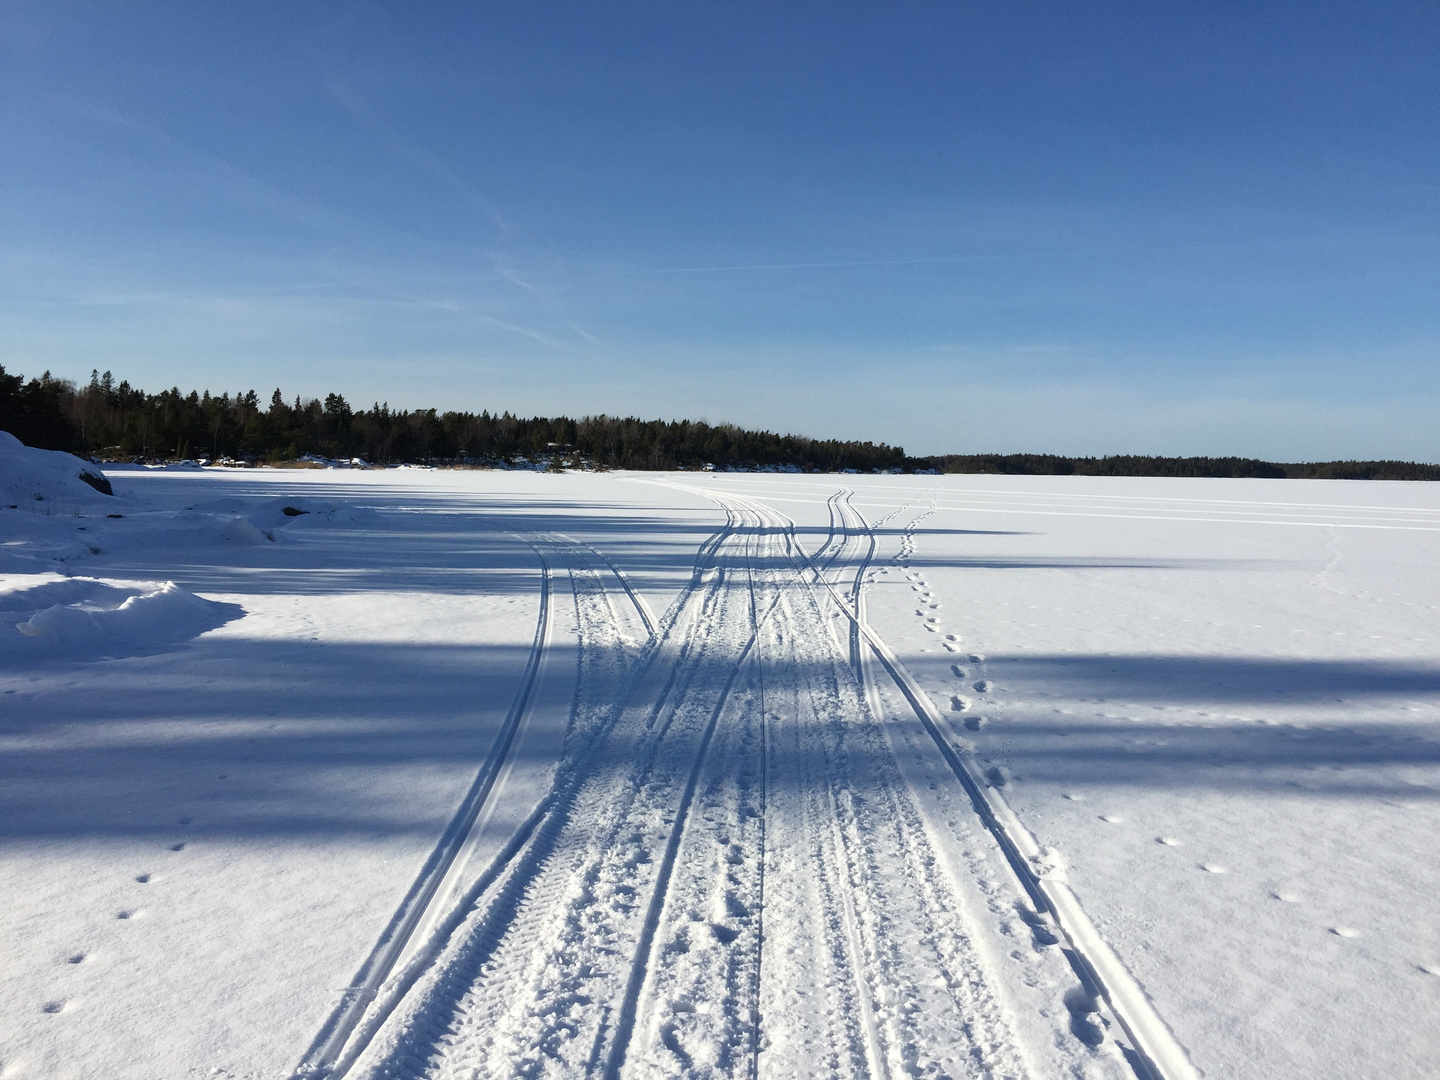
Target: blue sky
column 1077, row 228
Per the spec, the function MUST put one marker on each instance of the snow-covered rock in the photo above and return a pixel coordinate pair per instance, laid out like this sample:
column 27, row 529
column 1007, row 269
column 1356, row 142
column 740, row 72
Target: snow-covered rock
column 48, row 481
column 288, row 512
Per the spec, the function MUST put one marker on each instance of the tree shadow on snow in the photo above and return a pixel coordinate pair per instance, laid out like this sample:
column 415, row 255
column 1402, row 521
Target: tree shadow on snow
column 311, row 740
column 1240, row 722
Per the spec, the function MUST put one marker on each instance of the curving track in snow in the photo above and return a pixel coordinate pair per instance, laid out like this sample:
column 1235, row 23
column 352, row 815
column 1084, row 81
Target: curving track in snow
column 428, row 912
column 731, row 875
column 1107, row 990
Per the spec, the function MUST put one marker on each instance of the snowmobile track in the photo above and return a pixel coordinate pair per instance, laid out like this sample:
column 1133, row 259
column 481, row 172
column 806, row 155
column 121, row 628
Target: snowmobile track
column 620, row 932
column 641, row 607
column 1153, row 1054
column 513, row 909
column 328, row 1054
column 413, row 908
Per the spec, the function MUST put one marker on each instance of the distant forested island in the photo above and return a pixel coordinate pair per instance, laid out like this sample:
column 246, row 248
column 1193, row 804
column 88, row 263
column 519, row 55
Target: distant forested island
column 1143, row 465
column 113, row 421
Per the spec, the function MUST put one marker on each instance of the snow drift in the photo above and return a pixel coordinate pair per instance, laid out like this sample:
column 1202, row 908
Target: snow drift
column 90, row 616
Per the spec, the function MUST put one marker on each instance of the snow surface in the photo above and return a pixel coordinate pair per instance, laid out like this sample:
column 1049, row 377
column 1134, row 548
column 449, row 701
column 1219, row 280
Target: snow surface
column 47, row 481
column 456, row 773
column 93, row 618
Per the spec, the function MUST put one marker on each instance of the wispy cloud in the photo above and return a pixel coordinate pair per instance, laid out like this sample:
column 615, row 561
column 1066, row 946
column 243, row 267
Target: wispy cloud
column 833, row 265
column 249, row 188
column 345, row 94
column 1281, row 242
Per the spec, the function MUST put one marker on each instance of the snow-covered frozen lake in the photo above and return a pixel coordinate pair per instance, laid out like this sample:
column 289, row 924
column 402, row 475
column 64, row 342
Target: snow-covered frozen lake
column 466, row 773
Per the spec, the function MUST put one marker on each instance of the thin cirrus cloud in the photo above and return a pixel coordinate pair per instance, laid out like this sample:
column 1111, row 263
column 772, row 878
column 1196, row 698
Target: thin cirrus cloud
column 359, row 107
column 1070, row 229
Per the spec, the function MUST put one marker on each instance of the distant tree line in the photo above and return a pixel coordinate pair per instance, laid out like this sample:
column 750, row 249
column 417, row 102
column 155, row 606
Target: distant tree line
column 1136, row 465
column 118, row 421
column 34, row 411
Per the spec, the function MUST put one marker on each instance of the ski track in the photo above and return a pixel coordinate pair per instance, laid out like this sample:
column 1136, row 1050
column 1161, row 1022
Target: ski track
column 426, row 912
column 1108, row 996
column 729, row 876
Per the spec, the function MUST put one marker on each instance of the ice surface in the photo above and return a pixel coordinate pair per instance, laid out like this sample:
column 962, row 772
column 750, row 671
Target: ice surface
column 229, row 752
column 1220, row 701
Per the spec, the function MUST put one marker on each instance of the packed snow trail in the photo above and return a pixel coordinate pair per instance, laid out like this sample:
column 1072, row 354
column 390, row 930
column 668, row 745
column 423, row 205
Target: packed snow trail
column 427, row 912
column 1153, row 1052
column 429, row 885
column 562, row 926
column 729, row 876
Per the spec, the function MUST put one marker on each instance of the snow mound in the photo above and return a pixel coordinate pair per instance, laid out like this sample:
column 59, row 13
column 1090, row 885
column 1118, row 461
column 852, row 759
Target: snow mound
column 291, row 512
column 92, row 617
column 316, row 514
column 49, row 482
column 240, row 531
column 185, row 529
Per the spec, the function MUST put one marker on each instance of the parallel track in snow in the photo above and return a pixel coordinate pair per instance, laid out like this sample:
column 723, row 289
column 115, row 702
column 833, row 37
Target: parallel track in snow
column 699, row 999
column 466, row 1014
column 326, row 1048
column 729, row 875
column 362, row 1008
column 641, row 962
column 853, row 878
column 641, row 607
column 1153, row 1053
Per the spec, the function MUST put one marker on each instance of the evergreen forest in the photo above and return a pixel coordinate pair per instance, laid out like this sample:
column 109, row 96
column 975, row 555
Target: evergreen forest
column 113, row 421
